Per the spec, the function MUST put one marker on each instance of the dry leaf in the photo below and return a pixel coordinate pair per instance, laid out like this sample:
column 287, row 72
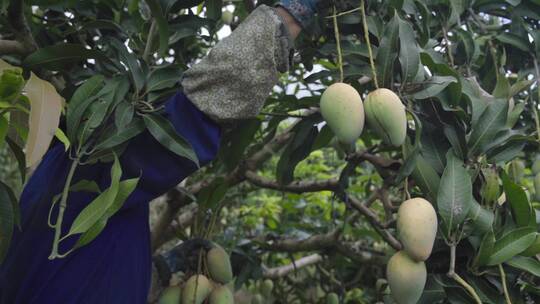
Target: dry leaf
column 45, row 111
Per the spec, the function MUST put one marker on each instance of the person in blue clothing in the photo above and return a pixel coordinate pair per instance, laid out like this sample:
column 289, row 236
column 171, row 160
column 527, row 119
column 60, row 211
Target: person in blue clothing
column 230, row 83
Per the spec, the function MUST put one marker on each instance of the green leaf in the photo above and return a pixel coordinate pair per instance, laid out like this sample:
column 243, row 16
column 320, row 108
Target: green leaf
column 61, row 136
column 85, row 186
column 486, row 247
column 130, row 60
column 492, row 120
column 511, row 244
column 387, row 52
column 213, row 9
column 514, row 40
column 408, row 53
column 79, row 102
column 163, row 26
column 534, row 249
column 426, row 178
column 522, row 210
column 482, row 218
column 299, row 148
column 123, row 114
column 53, row 57
column 19, row 156
column 434, row 86
column 92, row 213
column 8, row 218
column 455, row 192
column 164, row 133
column 530, row 265
column 4, row 127
column 120, row 136
column 163, row 78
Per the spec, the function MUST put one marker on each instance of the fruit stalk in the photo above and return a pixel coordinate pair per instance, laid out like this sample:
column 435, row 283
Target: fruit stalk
column 338, row 45
column 366, row 36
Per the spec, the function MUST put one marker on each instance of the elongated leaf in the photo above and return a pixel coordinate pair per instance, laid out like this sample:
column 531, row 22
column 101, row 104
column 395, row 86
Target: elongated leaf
column 123, row 114
column 61, row 136
column 163, row 26
column 530, row 265
column 4, row 126
column 492, row 120
column 46, row 108
column 53, row 57
column 92, row 213
column 426, row 178
column 434, row 86
column 511, row 244
column 85, row 185
column 481, row 218
column 7, row 218
column 486, row 247
column 130, row 60
column 522, row 210
column 19, row 156
column 125, row 188
column 164, row 133
column 455, row 192
column 122, row 135
column 408, row 54
column 80, row 101
column 387, row 52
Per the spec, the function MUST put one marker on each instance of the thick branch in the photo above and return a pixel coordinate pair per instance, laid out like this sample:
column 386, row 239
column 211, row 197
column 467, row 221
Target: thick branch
column 11, row 47
column 295, row 187
column 281, row 271
column 20, row 26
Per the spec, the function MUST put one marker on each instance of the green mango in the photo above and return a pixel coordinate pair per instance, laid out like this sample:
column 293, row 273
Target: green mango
column 171, row 295
column 490, row 189
column 332, row 298
column 221, row 295
column 406, row 278
column 343, row 111
column 219, row 265
column 227, row 17
column 196, row 290
column 385, row 115
column 516, row 170
column 266, row 287
column 257, row 299
column 417, row 227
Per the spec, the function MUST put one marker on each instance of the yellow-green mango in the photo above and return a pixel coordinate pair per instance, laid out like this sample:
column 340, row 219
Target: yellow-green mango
column 490, row 188
column 343, row 111
column 196, row 290
column 221, row 295
column 171, row 295
column 406, row 278
column 417, row 227
column 266, row 287
column 227, row 17
column 385, row 115
column 536, row 165
column 516, row 170
column 257, row 299
column 219, row 265
column 332, row 298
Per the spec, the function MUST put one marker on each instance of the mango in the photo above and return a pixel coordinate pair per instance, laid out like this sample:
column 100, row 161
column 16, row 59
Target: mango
column 417, row 227
column 516, row 170
column 227, row 17
column 385, row 115
column 536, row 165
column 343, row 111
column 196, row 289
column 537, row 187
column 332, row 298
column 221, row 295
column 406, row 278
column 257, row 299
column 266, row 287
column 171, row 295
column 219, row 265
column 490, row 189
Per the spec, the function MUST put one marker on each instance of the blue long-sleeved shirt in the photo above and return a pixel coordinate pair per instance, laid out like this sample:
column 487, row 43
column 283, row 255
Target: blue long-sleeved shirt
column 116, row 266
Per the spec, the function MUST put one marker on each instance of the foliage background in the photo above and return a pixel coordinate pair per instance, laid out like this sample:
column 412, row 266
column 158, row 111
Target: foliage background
column 283, row 190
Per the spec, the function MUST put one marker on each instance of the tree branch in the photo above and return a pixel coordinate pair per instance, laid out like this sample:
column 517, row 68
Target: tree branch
column 315, row 242
column 294, row 187
column 281, row 271
column 11, row 47
column 20, row 26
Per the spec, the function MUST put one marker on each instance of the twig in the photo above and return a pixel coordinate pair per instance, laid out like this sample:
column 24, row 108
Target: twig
column 338, row 46
column 452, row 274
column 281, row 271
column 343, row 13
column 366, row 36
column 505, row 288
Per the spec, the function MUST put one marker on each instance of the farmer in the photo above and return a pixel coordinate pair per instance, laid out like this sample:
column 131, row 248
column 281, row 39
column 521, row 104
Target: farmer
column 231, row 83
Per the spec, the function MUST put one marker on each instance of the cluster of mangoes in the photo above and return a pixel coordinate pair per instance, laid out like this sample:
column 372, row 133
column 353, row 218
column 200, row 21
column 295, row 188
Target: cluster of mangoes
column 406, row 271
column 199, row 288
column 266, row 288
column 344, row 112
